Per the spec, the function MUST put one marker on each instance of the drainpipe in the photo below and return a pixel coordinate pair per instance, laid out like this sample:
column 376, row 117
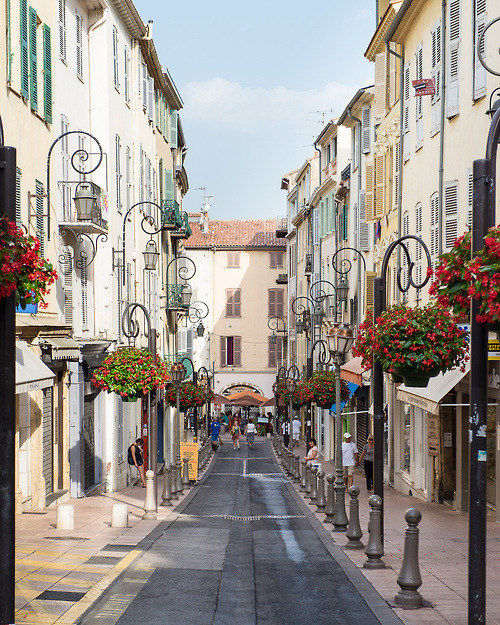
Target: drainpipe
column 441, row 123
column 358, row 148
column 401, row 58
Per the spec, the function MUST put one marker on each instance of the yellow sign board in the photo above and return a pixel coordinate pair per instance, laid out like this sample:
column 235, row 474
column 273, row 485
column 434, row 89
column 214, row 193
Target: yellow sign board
column 190, row 451
column 493, row 349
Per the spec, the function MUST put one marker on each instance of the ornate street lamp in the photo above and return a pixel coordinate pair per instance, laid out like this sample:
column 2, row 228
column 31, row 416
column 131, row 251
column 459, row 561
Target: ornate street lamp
column 340, row 340
column 150, row 256
column 178, row 373
column 85, row 201
column 273, row 324
column 343, row 268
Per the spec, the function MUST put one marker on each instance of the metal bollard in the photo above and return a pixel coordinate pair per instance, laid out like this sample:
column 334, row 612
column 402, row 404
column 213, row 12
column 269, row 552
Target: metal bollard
column 149, row 504
column 303, row 474
column 178, row 477
column 313, row 495
column 296, row 468
column 409, row 579
column 354, row 532
column 321, row 500
column 374, row 550
column 185, row 472
column 308, row 480
column 330, row 499
column 173, row 490
column 166, row 496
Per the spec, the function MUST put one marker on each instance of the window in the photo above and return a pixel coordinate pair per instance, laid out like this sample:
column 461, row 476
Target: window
column 144, row 87
column 33, row 25
column 233, row 302
column 418, row 247
column 25, row 71
column 453, row 65
column 345, row 231
column 450, row 213
column 116, row 77
column 292, row 259
column 364, row 233
column 418, row 99
column 128, row 169
column 434, row 229
column 151, row 98
column 469, row 198
column 276, row 260
column 274, row 351
column 436, row 74
column 47, row 75
column 118, row 174
column 406, row 111
column 85, row 302
column 233, row 259
column 40, row 230
column 79, row 44
column 126, row 81
column 479, row 73
column 315, row 225
column 365, row 129
column 62, row 29
column 18, row 197
column 275, row 302
column 65, row 163
column 380, row 90
column 230, row 351
column 173, row 129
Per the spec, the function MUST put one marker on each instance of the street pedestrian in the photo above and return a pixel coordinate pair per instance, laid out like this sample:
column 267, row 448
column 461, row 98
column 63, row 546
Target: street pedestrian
column 135, row 458
column 285, row 431
column 235, row 433
column 296, row 430
column 367, row 455
column 312, row 454
column 250, row 432
column 226, row 423
column 350, row 459
column 215, row 429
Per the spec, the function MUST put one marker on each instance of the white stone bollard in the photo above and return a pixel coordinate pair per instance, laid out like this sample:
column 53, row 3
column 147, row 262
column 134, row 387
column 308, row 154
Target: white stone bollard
column 119, row 515
column 150, row 503
column 65, row 516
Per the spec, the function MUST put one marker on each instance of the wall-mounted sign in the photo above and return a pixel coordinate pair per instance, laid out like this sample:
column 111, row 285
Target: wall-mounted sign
column 493, row 349
column 424, row 86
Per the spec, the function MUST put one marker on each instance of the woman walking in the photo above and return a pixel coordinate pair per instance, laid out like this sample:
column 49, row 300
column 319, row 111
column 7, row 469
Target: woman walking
column 250, row 432
column 235, row 433
column 367, row 455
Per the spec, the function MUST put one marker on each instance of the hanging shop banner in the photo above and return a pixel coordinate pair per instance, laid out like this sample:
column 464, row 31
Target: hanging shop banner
column 190, row 451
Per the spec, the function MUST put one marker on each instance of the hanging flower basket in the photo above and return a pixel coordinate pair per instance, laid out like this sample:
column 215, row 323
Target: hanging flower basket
column 22, row 267
column 301, row 396
column 131, row 373
column 323, row 388
column 414, row 343
column 189, row 395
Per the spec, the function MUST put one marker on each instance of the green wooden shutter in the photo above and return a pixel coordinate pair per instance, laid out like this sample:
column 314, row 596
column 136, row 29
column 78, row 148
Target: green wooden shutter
column 47, row 75
column 9, row 46
column 344, row 222
column 169, row 185
column 25, row 85
column 40, row 229
column 173, row 129
column 33, row 64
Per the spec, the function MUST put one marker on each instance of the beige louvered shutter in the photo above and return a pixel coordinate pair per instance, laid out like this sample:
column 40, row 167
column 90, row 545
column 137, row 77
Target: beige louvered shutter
column 223, row 351
column 369, row 291
column 480, row 19
column 380, row 81
column 434, row 228
column 453, row 65
column 237, row 303
column 67, row 267
column 237, row 351
column 369, row 192
column 469, row 198
column 450, row 213
column 364, row 230
column 379, row 185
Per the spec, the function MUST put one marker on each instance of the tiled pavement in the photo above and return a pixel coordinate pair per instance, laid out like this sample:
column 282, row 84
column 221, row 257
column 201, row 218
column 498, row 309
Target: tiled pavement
column 443, row 556
column 59, row 574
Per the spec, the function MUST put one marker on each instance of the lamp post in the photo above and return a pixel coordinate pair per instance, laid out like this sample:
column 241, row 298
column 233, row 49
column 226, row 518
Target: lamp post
column 292, row 380
column 343, row 268
column 273, row 323
column 179, row 295
column 340, row 340
column 177, row 373
column 204, row 374
column 130, row 328
column 379, row 305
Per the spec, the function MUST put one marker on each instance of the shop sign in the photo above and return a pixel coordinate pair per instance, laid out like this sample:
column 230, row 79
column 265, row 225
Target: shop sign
column 190, row 451
column 493, row 349
column 433, row 434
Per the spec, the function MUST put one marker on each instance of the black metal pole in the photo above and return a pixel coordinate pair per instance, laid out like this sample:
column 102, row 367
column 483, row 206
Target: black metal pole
column 379, row 304
column 8, row 411
column 195, row 410
column 309, row 413
column 153, row 419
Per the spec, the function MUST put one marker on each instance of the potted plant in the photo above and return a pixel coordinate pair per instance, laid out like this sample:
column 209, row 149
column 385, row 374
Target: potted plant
column 190, row 395
column 414, row 343
column 131, row 373
column 23, row 268
column 323, row 388
column 300, row 396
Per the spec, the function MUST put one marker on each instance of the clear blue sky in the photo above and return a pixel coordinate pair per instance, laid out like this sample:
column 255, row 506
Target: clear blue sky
column 257, row 80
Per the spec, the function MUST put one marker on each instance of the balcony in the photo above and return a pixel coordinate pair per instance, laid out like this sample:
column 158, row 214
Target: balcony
column 282, row 278
column 97, row 224
column 281, row 227
column 184, row 230
column 174, row 298
column 171, row 218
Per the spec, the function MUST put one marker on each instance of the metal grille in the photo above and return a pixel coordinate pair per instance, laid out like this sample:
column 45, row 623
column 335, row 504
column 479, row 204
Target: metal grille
column 89, row 441
column 47, row 441
column 260, row 517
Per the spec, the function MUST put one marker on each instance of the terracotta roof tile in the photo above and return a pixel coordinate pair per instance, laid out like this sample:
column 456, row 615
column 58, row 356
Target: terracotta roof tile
column 249, row 233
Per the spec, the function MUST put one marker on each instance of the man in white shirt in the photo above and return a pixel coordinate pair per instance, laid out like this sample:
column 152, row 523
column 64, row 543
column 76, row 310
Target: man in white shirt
column 285, row 431
column 350, row 459
column 296, row 430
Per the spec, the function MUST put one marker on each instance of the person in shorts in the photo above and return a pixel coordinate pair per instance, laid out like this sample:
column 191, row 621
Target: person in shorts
column 350, row 459
column 250, row 432
column 135, row 458
column 235, row 434
column 296, row 430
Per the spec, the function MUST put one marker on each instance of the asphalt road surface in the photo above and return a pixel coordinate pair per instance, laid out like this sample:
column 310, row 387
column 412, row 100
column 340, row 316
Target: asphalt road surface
column 243, row 551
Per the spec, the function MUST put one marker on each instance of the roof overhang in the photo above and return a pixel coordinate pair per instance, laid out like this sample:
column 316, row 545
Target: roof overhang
column 94, row 5
column 404, row 20
column 130, row 17
column 62, row 348
column 318, row 193
column 377, row 43
column 327, row 133
column 366, row 93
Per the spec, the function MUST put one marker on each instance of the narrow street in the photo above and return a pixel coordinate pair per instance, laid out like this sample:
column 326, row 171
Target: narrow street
column 242, row 550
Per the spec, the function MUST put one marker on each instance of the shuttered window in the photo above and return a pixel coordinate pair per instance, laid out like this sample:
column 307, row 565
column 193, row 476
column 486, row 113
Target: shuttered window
column 469, row 198
column 67, row 270
column 18, row 197
column 126, row 74
column 79, row 46
column 169, row 185
column 275, row 302
column 233, row 302
column 418, row 248
column 128, row 182
column 116, row 77
column 434, row 228
column 419, row 109
column 47, row 75
column 144, row 70
column 479, row 72
column 365, row 130
column 397, row 165
column 85, row 301
column 274, row 351
column 380, row 80
column 436, row 74
column 25, row 71
column 151, row 98
column 62, row 29
column 118, row 174
column 230, row 351
column 315, row 225
column 406, row 111
column 233, row 259
column 40, row 229
column 173, row 129
column 364, row 229
column 369, row 291
column 33, row 25
column 369, row 191
column 453, row 64
column 380, row 161
column 405, row 227
column 276, row 260
column 450, row 213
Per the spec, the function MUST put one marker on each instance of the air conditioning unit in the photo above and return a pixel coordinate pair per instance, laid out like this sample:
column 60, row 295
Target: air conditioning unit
column 308, row 268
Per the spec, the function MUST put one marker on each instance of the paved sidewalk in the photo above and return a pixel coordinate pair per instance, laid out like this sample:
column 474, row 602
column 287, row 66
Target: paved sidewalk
column 59, row 574
column 443, row 556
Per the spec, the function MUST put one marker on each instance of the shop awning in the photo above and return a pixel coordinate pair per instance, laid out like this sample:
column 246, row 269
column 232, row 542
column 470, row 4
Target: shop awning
column 63, row 348
column 428, row 398
column 353, row 371
column 31, row 373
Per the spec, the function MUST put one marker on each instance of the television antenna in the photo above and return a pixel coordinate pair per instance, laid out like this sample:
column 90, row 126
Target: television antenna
column 207, row 199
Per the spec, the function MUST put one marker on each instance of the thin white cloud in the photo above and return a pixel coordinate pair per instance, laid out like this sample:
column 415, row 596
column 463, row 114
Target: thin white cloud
column 242, row 110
